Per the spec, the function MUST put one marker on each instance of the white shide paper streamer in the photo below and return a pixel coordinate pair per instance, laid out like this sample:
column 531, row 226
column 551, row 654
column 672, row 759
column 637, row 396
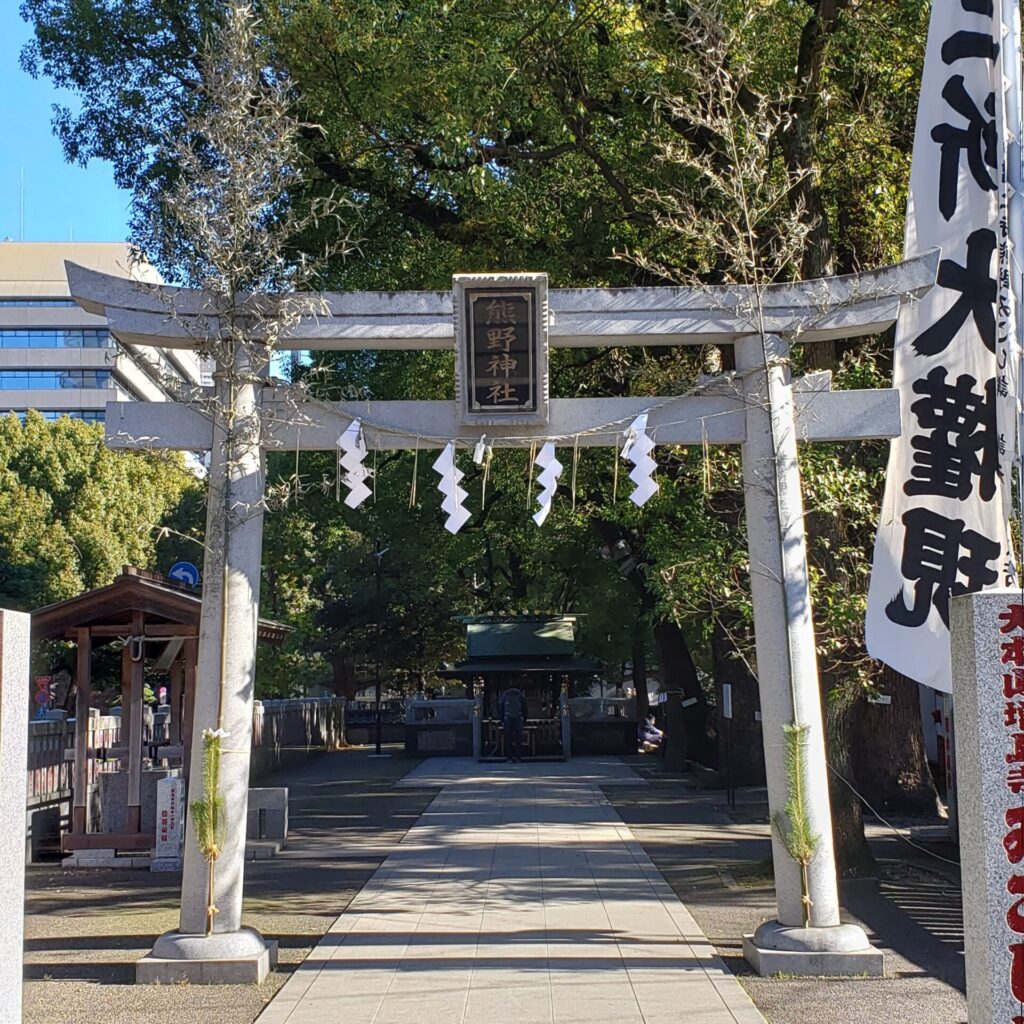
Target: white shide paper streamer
column 637, row 449
column 547, row 480
column 353, row 449
column 448, row 485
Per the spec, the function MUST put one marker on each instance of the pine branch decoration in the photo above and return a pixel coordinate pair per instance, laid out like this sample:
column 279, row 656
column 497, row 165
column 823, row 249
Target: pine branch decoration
column 208, row 815
column 793, row 827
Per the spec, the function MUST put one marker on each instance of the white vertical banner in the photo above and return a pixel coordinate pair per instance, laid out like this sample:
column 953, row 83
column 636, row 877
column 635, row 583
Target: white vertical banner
column 943, row 529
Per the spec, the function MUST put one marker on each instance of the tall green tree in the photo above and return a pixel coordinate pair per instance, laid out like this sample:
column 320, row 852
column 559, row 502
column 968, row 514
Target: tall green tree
column 73, row 512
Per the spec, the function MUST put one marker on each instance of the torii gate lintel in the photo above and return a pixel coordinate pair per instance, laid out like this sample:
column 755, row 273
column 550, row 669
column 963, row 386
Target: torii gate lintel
column 825, row 309
column 715, row 416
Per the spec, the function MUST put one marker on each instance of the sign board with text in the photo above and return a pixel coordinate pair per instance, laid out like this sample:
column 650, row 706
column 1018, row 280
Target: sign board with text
column 501, row 348
column 170, row 798
column 987, row 634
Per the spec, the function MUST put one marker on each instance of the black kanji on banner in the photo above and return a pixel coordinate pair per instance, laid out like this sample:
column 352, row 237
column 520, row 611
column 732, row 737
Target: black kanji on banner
column 964, row 45
column 937, row 552
column 978, row 139
column 978, row 292
column 963, row 442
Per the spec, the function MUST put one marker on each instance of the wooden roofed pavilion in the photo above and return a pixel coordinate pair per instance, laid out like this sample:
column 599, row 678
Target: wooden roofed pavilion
column 142, row 610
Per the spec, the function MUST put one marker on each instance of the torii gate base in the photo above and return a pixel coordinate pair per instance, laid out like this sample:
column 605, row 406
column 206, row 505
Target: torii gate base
column 767, row 418
column 241, row 957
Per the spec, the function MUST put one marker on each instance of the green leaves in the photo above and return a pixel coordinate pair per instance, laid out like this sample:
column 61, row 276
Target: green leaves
column 209, row 817
column 209, row 813
column 794, row 830
column 73, row 512
column 793, row 827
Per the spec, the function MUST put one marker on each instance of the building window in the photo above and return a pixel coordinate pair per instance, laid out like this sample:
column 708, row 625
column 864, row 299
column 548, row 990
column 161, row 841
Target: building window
column 36, row 303
column 86, row 415
column 34, row 380
column 71, row 338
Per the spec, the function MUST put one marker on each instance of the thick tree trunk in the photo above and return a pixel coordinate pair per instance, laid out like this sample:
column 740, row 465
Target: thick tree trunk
column 888, row 752
column 799, row 142
column 853, row 855
column 800, row 137
column 743, row 733
column 678, row 672
column 343, row 676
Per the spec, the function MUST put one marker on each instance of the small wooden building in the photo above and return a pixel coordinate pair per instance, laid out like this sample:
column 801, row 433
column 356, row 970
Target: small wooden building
column 537, row 654
column 156, row 620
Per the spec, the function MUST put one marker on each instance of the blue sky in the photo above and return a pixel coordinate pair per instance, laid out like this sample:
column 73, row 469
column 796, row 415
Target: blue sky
column 60, row 199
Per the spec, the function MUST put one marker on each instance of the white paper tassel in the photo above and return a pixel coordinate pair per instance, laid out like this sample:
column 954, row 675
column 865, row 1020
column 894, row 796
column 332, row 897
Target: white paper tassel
column 637, row 449
column 482, row 451
column 353, row 449
column 547, row 480
column 448, row 485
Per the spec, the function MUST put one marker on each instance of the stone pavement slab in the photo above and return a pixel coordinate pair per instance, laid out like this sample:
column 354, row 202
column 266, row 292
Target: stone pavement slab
column 718, row 863
column 518, row 895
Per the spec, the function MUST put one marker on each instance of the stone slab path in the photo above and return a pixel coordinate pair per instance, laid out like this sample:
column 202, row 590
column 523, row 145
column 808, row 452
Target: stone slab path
column 519, row 897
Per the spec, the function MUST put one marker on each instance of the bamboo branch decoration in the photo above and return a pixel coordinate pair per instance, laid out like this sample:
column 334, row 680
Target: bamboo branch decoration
column 209, row 817
column 793, row 827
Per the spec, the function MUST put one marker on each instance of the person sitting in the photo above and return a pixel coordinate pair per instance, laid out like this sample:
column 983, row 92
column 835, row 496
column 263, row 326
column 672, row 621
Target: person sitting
column 649, row 735
column 512, row 710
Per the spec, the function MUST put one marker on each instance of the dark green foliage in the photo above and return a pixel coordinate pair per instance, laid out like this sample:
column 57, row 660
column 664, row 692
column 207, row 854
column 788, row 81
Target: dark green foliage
column 73, row 512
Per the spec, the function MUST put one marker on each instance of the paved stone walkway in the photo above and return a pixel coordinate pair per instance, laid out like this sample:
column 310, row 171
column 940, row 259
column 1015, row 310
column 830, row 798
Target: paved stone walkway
column 519, row 896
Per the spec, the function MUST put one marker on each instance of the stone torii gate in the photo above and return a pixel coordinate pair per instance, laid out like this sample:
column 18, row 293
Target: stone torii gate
column 763, row 411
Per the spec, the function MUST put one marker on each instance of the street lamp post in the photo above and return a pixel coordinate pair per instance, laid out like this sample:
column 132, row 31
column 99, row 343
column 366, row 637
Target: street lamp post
column 378, row 553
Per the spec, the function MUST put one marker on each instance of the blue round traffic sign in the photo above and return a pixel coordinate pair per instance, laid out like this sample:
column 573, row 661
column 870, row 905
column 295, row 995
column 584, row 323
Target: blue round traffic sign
column 185, row 572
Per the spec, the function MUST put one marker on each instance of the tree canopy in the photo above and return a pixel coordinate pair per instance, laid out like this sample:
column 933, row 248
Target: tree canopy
column 73, row 512
column 499, row 135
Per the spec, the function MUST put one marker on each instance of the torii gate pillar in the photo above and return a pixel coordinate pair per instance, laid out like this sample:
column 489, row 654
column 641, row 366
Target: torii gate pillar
column 224, row 701
column 787, row 672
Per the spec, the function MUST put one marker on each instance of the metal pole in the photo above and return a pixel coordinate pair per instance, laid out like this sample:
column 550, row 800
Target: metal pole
column 378, row 554
column 730, row 797
column 1011, row 72
column 730, row 790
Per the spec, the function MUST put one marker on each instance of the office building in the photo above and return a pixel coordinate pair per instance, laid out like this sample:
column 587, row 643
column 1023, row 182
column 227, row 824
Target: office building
column 62, row 361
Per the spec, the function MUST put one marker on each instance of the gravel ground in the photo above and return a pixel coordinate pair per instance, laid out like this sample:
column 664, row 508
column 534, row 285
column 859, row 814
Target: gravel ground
column 84, row 930
column 719, row 868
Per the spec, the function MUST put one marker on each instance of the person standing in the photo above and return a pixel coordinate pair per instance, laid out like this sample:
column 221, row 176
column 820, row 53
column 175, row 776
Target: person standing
column 512, row 707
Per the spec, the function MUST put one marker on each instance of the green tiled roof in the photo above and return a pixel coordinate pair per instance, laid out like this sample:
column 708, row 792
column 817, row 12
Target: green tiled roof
column 519, row 639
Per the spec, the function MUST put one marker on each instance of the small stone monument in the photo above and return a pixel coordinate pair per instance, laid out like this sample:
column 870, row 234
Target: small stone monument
column 15, row 629
column 170, row 795
column 987, row 637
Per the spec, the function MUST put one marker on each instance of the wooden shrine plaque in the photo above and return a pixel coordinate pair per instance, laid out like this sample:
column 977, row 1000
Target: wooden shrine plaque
column 501, row 348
